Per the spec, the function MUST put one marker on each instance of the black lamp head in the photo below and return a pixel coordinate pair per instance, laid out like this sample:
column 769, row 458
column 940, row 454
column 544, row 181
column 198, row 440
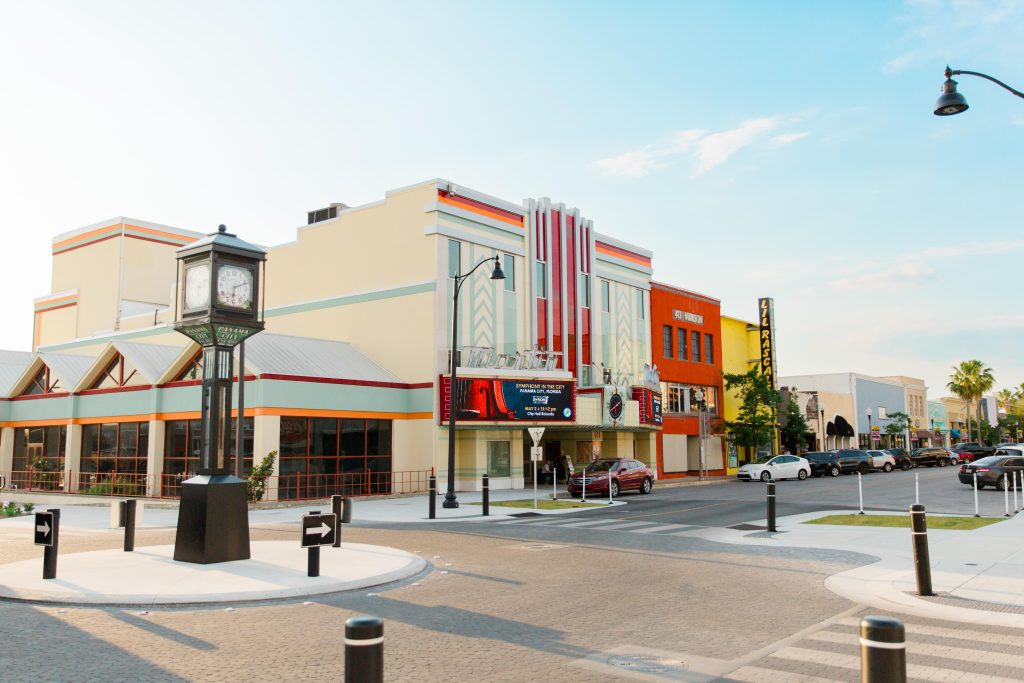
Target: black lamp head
column 950, row 101
column 498, row 273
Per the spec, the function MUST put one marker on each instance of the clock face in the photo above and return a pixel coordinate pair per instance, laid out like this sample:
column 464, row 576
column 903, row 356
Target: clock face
column 234, row 286
column 197, row 286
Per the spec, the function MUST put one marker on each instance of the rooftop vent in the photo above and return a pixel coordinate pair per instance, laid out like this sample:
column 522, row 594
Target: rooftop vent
column 324, row 214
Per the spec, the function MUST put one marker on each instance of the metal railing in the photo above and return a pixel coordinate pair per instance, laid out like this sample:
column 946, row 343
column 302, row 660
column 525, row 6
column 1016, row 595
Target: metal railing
column 304, row 486
column 51, row 481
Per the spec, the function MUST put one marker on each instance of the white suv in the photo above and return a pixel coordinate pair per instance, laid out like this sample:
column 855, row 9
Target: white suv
column 883, row 461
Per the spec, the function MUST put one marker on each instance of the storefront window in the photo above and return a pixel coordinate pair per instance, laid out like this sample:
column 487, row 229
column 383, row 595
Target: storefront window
column 114, row 458
column 41, row 450
column 499, row 461
column 321, row 457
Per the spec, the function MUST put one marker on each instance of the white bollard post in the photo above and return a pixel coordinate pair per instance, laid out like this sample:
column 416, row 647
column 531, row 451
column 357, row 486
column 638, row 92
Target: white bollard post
column 1006, row 498
column 610, row 486
column 534, row 484
column 860, row 491
column 554, row 484
column 976, row 495
column 1015, row 487
column 917, row 488
column 583, row 478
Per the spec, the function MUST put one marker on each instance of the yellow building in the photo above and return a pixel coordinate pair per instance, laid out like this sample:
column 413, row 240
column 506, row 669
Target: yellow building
column 740, row 352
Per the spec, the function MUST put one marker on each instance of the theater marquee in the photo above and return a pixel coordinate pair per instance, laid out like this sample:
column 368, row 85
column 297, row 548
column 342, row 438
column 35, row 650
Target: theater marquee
column 510, row 400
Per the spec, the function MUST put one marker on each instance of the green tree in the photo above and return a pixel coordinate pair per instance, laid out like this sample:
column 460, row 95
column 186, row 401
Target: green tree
column 969, row 381
column 256, row 484
column 899, row 423
column 989, row 434
column 755, row 421
column 793, row 425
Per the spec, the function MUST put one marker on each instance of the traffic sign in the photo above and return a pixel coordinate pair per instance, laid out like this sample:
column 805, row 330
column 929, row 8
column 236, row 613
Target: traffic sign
column 536, row 454
column 318, row 529
column 536, row 433
column 44, row 528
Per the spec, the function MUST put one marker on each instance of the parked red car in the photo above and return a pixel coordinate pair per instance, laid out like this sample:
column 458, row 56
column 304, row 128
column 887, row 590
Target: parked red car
column 623, row 473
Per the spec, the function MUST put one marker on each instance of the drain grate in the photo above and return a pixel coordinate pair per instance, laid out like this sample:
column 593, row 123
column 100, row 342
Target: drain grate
column 748, row 527
column 647, row 664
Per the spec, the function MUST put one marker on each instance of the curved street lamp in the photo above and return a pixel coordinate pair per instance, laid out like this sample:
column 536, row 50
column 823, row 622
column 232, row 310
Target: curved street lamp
column 951, row 102
column 450, row 500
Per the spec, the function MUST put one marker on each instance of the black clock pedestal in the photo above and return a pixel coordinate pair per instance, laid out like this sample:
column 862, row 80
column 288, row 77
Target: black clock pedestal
column 213, row 520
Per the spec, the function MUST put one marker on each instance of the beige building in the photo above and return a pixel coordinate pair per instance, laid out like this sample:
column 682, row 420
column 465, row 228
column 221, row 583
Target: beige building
column 349, row 384
column 916, row 396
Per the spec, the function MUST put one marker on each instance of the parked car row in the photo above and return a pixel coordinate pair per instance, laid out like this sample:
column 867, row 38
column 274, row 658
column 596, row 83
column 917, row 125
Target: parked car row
column 844, row 461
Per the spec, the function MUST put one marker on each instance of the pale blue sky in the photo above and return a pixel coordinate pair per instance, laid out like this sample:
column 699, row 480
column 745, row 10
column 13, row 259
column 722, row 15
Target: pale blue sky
column 781, row 149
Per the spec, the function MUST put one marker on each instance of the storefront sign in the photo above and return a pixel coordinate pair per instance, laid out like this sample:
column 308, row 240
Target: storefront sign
column 688, row 317
column 650, row 405
column 767, row 324
column 509, row 400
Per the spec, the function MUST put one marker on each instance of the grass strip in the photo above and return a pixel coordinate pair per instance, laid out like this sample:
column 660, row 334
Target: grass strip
column 903, row 521
column 542, row 504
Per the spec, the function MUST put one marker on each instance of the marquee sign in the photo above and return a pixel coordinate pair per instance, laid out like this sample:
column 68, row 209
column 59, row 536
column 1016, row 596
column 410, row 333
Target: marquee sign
column 695, row 318
column 766, row 307
column 510, row 400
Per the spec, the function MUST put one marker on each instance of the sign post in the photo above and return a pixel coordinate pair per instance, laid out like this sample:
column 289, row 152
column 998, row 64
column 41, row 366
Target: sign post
column 46, row 531
column 317, row 529
column 536, row 453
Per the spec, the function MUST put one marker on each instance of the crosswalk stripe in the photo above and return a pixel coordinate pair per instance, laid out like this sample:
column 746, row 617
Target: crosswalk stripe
column 591, row 522
column 956, row 635
column 622, row 525
column 996, row 658
column 754, row 674
column 927, row 673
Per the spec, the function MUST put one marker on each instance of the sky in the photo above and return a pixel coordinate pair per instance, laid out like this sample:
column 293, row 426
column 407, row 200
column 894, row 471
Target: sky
column 784, row 149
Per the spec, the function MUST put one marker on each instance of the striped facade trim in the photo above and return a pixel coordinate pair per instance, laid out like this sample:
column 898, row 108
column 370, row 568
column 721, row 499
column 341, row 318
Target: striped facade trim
column 477, row 207
column 57, row 301
column 623, row 254
column 114, row 230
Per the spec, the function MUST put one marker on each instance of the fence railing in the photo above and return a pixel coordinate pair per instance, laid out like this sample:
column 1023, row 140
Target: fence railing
column 303, row 486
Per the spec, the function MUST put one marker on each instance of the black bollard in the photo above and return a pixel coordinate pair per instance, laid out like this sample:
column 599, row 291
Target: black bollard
column 346, row 510
column 432, row 495
column 771, row 506
column 313, row 559
column 487, row 494
column 883, row 650
column 129, row 525
column 50, row 551
column 336, row 506
column 364, row 650
column 922, row 566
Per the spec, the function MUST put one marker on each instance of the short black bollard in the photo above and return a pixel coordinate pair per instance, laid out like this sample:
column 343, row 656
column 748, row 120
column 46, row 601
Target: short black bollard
column 313, row 559
column 346, row 510
column 883, row 650
column 364, row 650
column 771, row 506
column 122, row 513
column 432, row 495
column 129, row 525
column 336, row 506
column 50, row 551
column 487, row 494
column 922, row 566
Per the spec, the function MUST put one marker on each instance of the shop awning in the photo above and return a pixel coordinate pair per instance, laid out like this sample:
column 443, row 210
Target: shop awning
column 955, row 433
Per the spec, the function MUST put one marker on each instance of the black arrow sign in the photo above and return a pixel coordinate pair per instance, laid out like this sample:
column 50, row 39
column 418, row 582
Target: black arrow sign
column 44, row 528
column 318, row 530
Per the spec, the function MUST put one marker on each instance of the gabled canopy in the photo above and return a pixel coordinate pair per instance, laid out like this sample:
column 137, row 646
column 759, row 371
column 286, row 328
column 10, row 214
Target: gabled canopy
column 283, row 354
column 12, row 366
column 65, row 372
column 133, row 364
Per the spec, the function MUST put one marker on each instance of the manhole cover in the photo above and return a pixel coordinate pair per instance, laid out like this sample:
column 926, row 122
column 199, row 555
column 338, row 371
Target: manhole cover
column 647, row 664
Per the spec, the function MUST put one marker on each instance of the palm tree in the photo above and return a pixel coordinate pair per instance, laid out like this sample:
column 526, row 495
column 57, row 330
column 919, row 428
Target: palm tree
column 971, row 379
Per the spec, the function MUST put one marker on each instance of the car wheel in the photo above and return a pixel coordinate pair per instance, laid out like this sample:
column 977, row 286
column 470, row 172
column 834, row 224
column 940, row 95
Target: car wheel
column 646, row 487
column 766, row 476
column 615, row 488
column 1001, row 483
column 834, row 471
column 802, row 475
column 887, row 467
column 943, row 462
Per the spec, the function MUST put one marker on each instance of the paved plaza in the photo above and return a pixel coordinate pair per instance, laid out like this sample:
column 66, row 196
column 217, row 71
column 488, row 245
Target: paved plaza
column 604, row 594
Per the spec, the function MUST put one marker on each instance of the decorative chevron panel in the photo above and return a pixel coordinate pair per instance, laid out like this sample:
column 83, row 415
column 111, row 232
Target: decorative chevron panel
column 483, row 330
column 624, row 317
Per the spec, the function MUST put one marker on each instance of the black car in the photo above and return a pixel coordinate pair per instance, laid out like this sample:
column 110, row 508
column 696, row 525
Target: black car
column 997, row 470
column 824, row 462
column 929, row 456
column 903, row 460
column 846, row 461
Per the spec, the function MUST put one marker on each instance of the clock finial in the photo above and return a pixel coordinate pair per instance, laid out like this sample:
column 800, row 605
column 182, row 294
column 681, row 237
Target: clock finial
column 222, row 228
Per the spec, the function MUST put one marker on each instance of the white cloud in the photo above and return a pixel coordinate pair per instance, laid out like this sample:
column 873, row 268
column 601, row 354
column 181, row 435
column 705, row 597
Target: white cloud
column 706, row 150
column 787, row 138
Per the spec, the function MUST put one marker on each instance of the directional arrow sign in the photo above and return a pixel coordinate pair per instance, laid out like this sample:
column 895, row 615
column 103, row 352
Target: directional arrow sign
column 44, row 528
column 318, row 529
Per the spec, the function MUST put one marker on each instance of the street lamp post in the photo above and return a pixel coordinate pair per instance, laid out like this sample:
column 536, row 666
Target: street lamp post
column 450, row 501
column 868, row 411
column 821, row 426
column 951, row 102
column 701, row 431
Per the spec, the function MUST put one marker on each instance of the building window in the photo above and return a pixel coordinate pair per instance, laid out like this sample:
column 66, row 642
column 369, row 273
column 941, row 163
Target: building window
column 193, row 369
column 666, row 341
column 540, row 274
column 114, row 454
column 43, row 383
column 584, row 290
column 510, row 273
column 606, row 296
column 41, row 450
column 454, row 258
column 499, row 460
column 321, row 457
column 681, row 340
column 682, row 398
column 640, row 303
column 695, row 346
column 709, row 349
column 118, row 373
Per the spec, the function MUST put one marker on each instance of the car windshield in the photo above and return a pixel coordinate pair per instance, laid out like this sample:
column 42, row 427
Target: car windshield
column 1010, row 451
column 763, row 460
column 603, row 466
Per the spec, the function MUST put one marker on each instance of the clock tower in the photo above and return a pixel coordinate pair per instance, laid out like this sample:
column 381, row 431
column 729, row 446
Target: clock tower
column 218, row 307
